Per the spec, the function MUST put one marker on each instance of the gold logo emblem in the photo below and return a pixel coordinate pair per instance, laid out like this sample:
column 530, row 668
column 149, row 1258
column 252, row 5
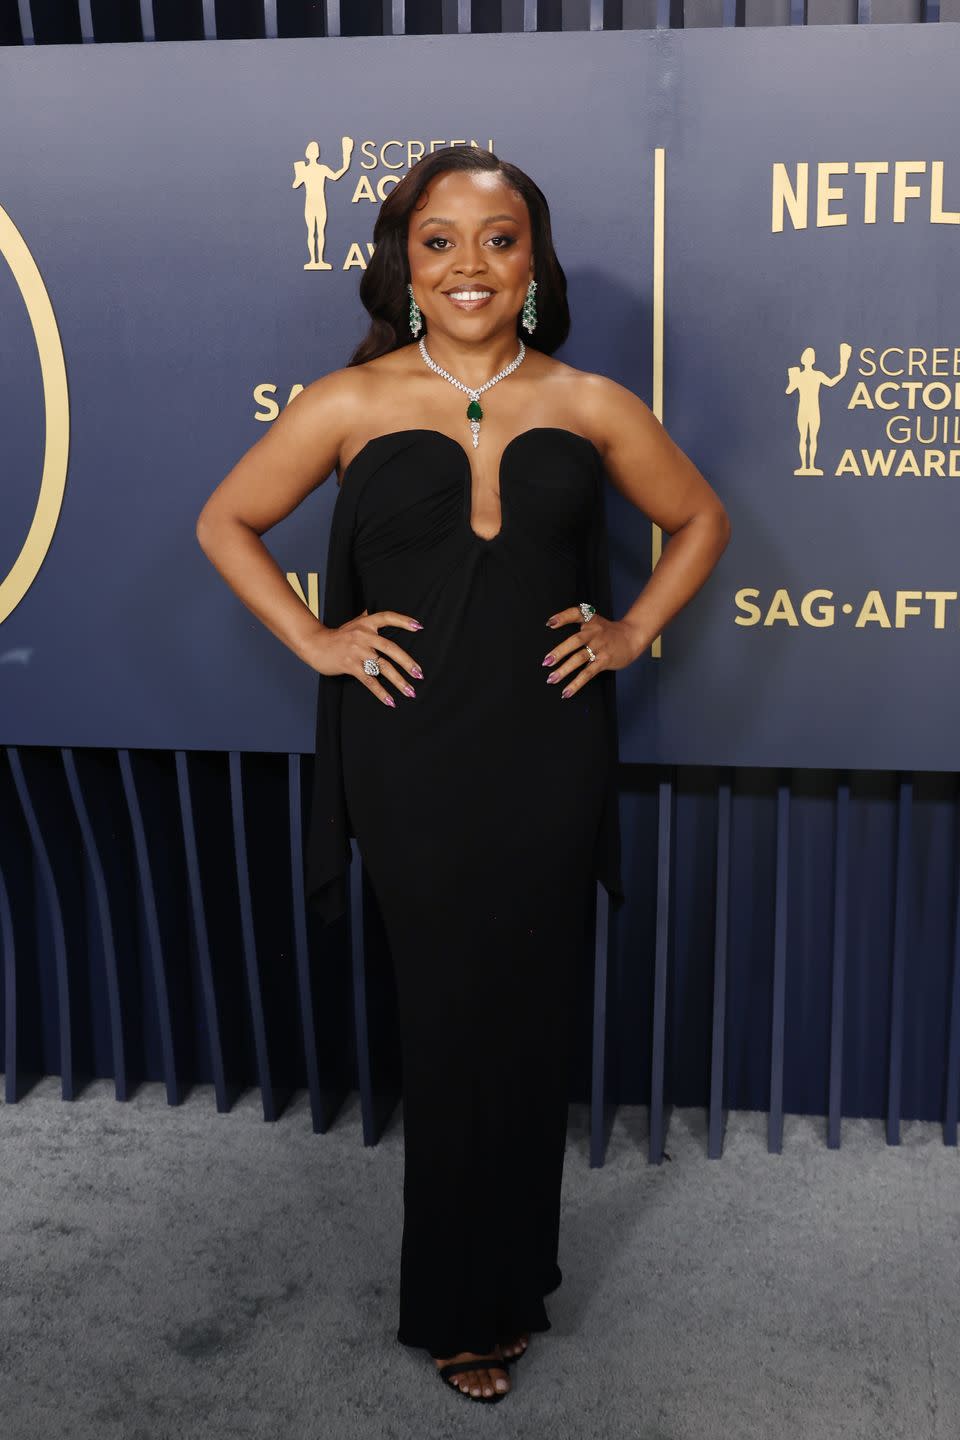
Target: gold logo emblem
column 313, row 177
column 806, row 382
column 53, row 375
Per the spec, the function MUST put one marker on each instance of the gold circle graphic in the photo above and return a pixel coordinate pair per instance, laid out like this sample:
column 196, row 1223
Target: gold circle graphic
column 56, row 407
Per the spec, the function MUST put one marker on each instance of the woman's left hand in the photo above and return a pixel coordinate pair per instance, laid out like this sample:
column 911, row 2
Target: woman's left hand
column 614, row 642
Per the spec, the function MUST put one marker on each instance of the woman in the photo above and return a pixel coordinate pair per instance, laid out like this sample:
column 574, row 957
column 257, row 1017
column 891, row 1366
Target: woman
column 466, row 725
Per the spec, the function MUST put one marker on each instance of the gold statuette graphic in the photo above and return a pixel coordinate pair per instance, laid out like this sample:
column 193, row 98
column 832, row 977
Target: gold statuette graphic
column 53, row 375
column 313, row 177
column 806, row 381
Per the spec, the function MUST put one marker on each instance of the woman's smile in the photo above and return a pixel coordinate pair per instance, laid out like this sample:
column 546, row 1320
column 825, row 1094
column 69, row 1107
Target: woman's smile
column 470, row 297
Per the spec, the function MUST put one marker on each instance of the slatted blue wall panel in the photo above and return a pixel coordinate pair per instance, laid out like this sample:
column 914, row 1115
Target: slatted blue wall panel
column 792, row 941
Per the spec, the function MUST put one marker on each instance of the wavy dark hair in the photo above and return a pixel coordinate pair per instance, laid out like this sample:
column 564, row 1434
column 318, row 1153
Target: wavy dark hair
column 383, row 285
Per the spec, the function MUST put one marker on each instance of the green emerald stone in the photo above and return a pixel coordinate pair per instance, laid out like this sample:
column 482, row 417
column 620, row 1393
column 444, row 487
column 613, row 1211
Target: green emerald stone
column 473, row 410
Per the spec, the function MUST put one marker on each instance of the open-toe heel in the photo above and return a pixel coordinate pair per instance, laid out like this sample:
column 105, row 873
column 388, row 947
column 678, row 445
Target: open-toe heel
column 456, row 1367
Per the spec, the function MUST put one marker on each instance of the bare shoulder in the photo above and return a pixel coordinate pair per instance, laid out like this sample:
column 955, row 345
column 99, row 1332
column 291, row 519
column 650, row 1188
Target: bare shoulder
column 641, row 460
column 339, row 393
column 603, row 409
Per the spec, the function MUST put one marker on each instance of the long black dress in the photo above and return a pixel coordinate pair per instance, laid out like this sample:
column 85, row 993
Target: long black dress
column 485, row 810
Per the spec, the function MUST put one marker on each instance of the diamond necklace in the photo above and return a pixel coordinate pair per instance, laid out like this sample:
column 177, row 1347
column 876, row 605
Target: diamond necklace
column 474, row 411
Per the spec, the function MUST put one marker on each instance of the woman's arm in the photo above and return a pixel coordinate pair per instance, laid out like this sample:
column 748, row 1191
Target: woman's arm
column 645, row 465
column 295, row 455
column 291, row 459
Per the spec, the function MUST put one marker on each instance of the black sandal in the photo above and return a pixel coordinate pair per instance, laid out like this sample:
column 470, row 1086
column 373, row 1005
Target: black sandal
column 456, row 1367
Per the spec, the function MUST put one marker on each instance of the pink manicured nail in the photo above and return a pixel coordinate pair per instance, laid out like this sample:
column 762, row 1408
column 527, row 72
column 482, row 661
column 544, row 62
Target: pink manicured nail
column 550, row 622
column 416, row 625
column 389, row 700
column 565, row 694
column 416, row 672
column 409, row 690
column 550, row 659
column 552, row 679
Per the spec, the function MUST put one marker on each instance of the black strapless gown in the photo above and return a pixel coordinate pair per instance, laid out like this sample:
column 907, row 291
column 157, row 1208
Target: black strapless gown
column 485, row 810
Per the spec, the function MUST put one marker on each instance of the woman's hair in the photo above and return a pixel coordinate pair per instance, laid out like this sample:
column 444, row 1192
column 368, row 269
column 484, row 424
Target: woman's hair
column 383, row 285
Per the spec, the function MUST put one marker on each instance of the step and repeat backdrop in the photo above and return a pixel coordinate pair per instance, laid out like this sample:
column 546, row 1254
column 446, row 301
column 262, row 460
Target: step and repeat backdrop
column 182, row 232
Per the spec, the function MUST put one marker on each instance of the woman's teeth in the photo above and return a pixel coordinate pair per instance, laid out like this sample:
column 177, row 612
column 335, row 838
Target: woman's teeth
column 469, row 294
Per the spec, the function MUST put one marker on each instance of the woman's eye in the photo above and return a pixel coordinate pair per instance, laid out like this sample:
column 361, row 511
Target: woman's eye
column 441, row 241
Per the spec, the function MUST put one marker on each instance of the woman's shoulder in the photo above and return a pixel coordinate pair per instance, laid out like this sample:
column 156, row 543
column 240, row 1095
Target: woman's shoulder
column 597, row 404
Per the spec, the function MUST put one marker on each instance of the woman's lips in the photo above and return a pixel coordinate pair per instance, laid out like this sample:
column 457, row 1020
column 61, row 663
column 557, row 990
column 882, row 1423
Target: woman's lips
column 471, row 304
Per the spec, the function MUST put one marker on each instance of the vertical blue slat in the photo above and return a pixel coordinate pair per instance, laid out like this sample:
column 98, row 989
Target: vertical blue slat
column 209, row 20
column 26, row 21
column 86, row 22
column 147, row 26
column 658, row 1059
column 841, row 877
column 358, row 968
column 455, row 17
column 721, row 930
column 105, row 918
column 598, row 1098
column 249, row 938
column 8, row 955
column 300, row 942
column 394, row 17
column 270, row 19
column 900, row 920
column 332, row 17
column 530, row 20
column 729, row 12
column 55, row 912
column 952, row 1096
column 154, row 941
column 775, row 1117
column 864, row 15
column 211, row 1011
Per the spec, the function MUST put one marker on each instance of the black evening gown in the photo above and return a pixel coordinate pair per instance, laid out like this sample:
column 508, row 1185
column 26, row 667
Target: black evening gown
column 485, row 811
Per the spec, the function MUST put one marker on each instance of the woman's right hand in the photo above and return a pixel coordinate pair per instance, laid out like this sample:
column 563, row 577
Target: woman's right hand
column 343, row 649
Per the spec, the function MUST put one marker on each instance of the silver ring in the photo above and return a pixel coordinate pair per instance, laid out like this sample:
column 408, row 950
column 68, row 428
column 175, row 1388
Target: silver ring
column 371, row 667
column 590, row 652
column 587, row 611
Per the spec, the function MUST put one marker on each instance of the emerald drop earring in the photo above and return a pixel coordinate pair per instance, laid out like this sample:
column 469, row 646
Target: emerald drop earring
column 416, row 319
column 529, row 317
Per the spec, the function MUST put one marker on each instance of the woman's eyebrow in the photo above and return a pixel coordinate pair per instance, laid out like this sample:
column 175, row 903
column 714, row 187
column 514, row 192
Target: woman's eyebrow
column 487, row 220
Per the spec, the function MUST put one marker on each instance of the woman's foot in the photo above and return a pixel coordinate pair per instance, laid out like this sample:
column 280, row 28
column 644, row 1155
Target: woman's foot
column 515, row 1347
column 488, row 1379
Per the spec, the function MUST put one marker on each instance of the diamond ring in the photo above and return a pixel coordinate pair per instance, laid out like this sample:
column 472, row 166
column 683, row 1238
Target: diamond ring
column 590, row 652
column 587, row 611
column 371, row 667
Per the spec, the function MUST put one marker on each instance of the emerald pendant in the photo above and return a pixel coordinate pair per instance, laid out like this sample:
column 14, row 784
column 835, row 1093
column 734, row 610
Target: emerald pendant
column 474, row 412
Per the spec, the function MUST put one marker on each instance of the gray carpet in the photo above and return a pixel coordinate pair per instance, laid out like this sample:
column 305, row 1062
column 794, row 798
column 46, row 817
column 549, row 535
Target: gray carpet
column 171, row 1272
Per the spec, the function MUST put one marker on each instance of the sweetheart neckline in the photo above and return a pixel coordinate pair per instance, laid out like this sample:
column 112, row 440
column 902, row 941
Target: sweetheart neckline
column 427, row 430
column 485, row 540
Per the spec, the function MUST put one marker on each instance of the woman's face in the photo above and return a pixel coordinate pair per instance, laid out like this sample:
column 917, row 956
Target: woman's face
column 470, row 233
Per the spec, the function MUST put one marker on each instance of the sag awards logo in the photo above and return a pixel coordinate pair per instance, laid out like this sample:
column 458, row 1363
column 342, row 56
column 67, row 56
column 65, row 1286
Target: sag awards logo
column 56, row 442
column 907, row 400
column 910, row 398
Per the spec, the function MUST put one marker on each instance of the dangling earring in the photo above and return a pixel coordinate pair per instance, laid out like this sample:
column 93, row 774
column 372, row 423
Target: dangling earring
column 529, row 319
column 416, row 319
